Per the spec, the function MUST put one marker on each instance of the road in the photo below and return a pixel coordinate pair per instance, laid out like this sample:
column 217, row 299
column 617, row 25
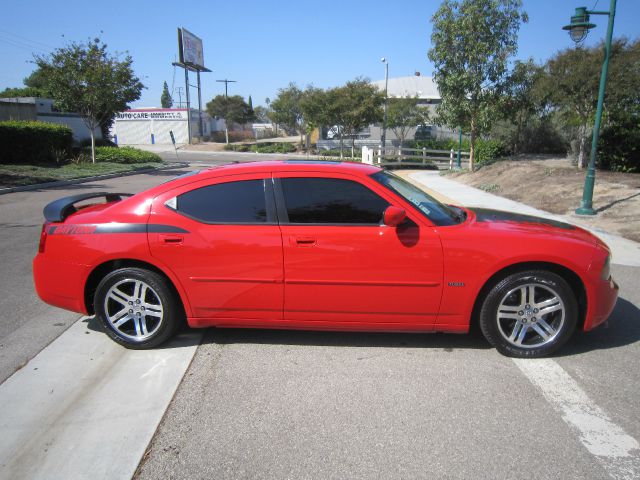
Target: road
column 271, row 404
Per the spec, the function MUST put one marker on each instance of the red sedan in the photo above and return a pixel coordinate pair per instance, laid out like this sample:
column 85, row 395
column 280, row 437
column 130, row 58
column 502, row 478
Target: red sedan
column 318, row 246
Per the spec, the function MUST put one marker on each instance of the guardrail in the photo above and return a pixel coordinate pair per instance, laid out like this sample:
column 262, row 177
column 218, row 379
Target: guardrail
column 418, row 157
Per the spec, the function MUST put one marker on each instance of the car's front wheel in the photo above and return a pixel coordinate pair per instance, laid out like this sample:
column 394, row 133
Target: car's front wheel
column 137, row 308
column 529, row 314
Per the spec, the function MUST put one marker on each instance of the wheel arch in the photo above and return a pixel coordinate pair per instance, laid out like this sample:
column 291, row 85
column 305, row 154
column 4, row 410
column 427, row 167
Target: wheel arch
column 99, row 272
column 571, row 277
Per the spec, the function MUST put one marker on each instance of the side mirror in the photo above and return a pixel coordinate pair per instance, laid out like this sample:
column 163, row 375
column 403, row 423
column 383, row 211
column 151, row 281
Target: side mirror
column 394, row 216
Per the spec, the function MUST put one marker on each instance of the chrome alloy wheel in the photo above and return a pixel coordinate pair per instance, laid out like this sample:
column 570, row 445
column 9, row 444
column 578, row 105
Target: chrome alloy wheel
column 133, row 309
column 531, row 315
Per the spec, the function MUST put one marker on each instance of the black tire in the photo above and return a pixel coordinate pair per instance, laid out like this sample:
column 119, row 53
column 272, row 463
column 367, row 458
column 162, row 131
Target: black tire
column 137, row 308
column 529, row 314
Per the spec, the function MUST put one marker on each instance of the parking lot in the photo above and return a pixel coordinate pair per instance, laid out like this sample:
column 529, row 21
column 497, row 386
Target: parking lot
column 283, row 404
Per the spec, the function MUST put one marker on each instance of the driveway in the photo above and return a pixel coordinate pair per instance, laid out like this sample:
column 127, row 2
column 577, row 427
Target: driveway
column 274, row 404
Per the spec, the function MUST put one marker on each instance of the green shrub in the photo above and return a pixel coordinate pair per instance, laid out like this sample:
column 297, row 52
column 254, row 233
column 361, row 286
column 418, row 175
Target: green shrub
column 31, row 142
column 100, row 142
column 234, row 147
column 123, row 155
column 234, row 136
column 619, row 147
column 488, row 151
column 269, row 147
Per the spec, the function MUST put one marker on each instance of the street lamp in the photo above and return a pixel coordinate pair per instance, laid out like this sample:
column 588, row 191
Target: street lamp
column 578, row 30
column 384, row 120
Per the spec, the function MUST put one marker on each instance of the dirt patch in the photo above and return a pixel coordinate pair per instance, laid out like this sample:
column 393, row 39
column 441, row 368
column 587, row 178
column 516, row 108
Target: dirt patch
column 554, row 185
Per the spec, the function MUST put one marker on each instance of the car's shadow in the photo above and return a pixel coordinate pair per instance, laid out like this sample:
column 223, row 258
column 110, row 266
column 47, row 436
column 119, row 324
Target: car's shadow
column 622, row 328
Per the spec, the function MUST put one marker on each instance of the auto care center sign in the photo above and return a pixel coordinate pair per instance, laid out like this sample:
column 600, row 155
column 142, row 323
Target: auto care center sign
column 153, row 114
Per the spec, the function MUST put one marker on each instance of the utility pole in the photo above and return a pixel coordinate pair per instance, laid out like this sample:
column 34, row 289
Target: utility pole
column 226, row 84
column 226, row 95
column 179, row 97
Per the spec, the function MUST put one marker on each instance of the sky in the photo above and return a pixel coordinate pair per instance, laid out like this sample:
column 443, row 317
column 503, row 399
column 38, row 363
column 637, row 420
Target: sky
column 263, row 45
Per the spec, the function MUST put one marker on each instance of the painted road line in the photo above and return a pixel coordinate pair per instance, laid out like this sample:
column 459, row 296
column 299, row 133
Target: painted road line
column 86, row 407
column 617, row 452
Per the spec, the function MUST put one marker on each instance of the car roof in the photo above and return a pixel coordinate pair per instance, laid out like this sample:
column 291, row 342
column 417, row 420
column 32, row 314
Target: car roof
column 293, row 165
column 302, row 165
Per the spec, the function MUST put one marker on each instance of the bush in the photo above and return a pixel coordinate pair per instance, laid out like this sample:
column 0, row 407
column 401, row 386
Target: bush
column 243, row 147
column 123, row 155
column 269, row 147
column 33, row 142
column 619, row 147
column 234, row 136
column 488, row 151
column 100, row 142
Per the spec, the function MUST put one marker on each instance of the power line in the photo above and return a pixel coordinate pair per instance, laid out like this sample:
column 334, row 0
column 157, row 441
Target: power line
column 18, row 44
column 226, row 83
column 35, row 44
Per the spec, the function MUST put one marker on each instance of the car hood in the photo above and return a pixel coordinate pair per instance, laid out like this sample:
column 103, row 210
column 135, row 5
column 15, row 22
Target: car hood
column 529, row 224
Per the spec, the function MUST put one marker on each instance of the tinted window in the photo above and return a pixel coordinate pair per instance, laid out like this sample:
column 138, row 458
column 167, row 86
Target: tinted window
column 226, row 203
column 437, row 212
column 331, row 200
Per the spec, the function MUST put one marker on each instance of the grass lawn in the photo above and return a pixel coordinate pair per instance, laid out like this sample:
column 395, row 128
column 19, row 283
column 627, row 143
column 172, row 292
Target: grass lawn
column 18, row 175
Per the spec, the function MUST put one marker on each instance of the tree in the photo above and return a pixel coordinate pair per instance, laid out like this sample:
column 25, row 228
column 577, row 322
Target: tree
column 472, row 43
column 571, row 83
column 313, row 105
column 34, row 87
column 85, row 78
column 353, row 107
column 286, row 110
column 233, row 109
column 165, row 99
column 262, row 114
column 404, row 114
column 522, row 107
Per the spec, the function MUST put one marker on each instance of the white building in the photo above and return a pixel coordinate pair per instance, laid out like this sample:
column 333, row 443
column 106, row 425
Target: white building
column 43, row 110
column 140, row 126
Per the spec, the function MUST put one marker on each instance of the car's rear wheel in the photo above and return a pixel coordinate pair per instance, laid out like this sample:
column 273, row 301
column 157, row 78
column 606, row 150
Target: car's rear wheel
column 137, row 308
column 529, row 314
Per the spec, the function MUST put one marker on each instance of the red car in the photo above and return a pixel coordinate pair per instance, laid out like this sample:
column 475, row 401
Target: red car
column 318, row 246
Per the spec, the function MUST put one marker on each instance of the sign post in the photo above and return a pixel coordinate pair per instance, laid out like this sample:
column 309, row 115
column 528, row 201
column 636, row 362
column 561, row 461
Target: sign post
column 191, row 57
column 173, row 140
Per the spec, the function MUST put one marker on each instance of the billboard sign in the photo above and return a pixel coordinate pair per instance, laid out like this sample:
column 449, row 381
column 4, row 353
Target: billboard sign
column 190, row 49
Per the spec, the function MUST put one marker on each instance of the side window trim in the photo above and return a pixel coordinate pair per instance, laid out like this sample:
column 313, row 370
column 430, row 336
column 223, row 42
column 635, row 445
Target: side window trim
column 281, row 208
column 283, row 215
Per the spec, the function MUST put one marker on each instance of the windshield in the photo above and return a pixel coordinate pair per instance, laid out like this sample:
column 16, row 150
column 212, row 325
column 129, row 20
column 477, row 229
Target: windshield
column 435, row 211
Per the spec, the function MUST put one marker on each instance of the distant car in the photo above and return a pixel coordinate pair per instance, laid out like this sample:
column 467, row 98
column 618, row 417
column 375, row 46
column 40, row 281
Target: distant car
column 423, row 132
column 318, row 246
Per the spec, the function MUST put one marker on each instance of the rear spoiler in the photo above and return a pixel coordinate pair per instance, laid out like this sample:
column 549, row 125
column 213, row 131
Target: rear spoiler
column 60, row 209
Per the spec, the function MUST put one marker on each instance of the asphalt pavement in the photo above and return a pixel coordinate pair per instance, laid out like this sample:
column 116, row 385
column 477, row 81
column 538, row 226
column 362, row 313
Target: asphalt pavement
column 281, row 404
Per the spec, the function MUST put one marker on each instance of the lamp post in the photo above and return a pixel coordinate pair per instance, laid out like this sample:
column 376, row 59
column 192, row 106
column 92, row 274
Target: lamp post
column 578, row 30
column 458, row 162
column 383, row 139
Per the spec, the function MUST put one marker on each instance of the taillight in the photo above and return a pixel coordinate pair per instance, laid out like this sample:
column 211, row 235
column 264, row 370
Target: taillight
column 43, row 237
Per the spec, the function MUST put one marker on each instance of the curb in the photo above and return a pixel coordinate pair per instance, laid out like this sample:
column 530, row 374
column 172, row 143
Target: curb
column 74, row 181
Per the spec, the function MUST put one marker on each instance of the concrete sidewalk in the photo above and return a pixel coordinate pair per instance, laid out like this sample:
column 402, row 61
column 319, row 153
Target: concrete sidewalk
column 625, row 252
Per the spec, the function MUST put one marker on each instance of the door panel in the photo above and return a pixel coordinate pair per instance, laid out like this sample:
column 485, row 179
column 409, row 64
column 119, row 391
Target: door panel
column 358, row 273
column 355, row 274
column 228, row 270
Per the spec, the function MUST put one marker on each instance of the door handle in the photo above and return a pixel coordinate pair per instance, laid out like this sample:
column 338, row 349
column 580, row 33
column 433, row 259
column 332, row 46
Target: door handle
column 303, row 241
column 169, row 239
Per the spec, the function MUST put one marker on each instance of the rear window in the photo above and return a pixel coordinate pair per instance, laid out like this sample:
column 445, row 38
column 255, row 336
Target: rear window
column 233, row 202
